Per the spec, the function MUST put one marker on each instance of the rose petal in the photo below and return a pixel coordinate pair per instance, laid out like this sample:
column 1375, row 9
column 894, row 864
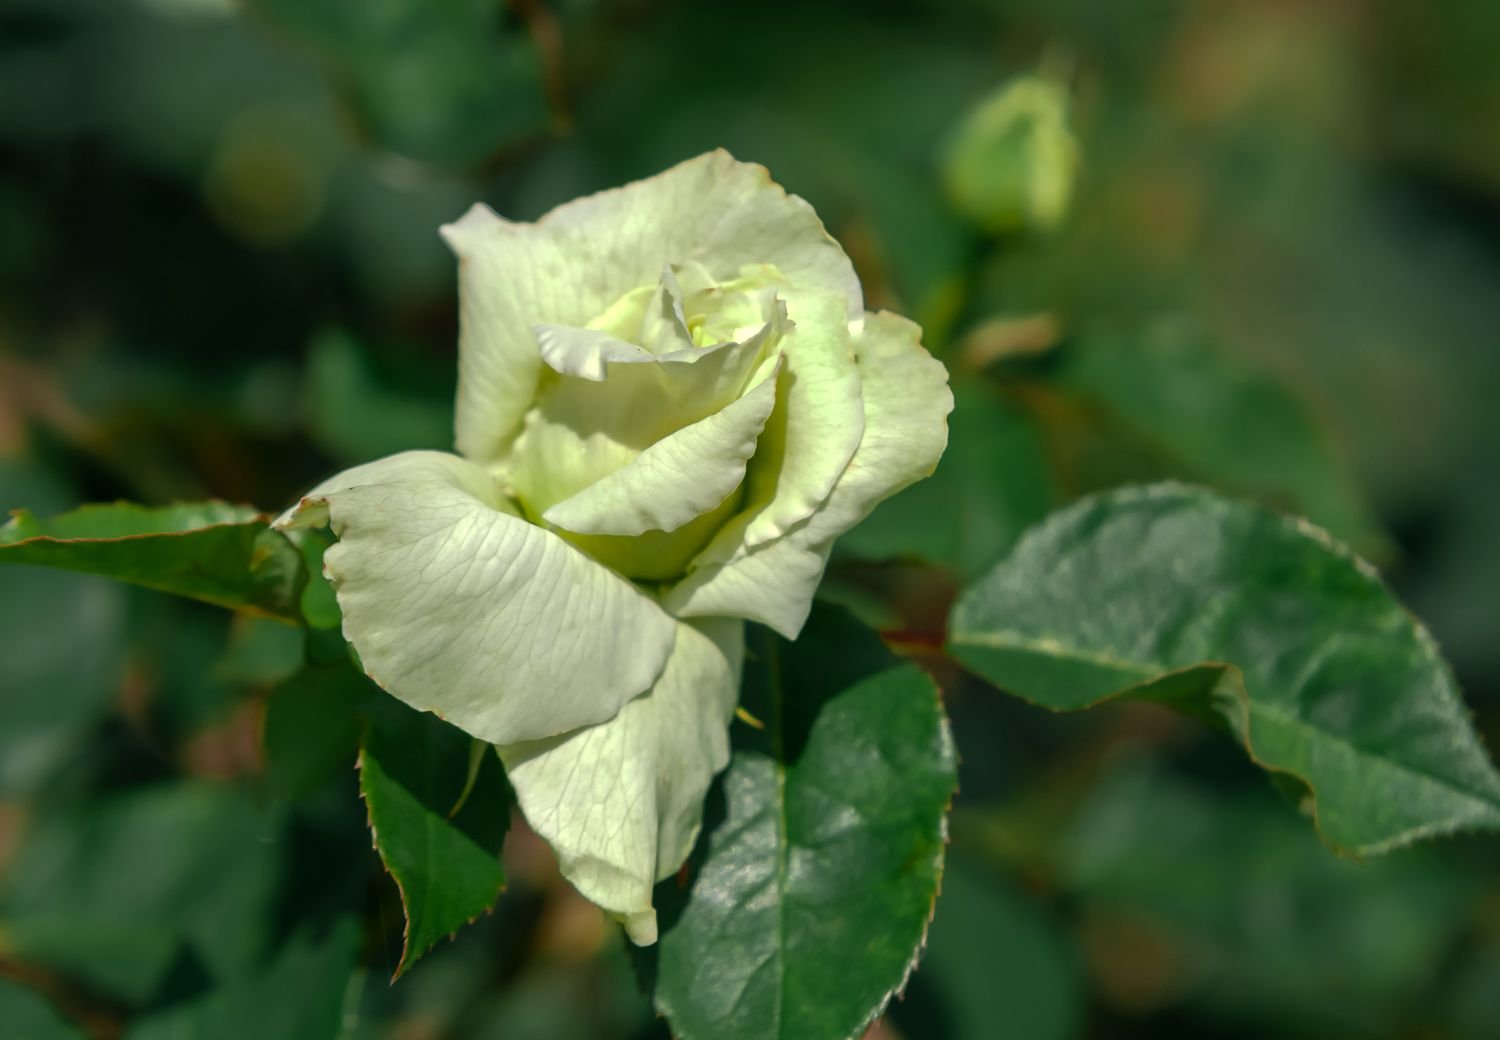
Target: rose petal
column 622, row 802
column 815, row 432
column 581, row 431
column 712, row 212
column 460, row 607
column 584, row 353
column 906, row 401
column 677, row 479
column 506, row 275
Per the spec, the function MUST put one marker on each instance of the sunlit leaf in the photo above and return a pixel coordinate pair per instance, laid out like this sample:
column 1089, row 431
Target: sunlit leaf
column 1260, row 623
column 823, row 849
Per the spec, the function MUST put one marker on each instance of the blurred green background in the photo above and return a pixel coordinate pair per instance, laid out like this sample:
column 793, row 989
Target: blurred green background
column 1279, row 273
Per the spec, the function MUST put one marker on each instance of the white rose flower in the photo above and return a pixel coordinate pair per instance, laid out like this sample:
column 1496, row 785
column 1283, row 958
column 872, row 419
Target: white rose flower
column 671, row 401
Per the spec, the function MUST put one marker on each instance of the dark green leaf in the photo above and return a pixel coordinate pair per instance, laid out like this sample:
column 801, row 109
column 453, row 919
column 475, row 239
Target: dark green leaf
column 300, row 996
column 1260, row 623
column 319, row 606
column 992, row 483
column 312, row 727
column 818, row 877
column 211, row 551
column 446, row 82
column 1210, row 416
column 440, row 844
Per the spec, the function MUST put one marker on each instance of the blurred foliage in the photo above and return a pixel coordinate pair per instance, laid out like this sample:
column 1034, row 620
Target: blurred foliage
column 220, row 278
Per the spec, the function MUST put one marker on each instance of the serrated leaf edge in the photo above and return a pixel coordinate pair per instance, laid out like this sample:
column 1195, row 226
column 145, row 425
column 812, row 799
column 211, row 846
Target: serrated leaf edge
column 946, row 739
column 1303, row 527
column 409, row 957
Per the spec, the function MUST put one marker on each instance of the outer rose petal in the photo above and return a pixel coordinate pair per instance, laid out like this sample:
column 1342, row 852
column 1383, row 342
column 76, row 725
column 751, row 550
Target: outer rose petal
column 907, row 401
column 566, row 269
column 504, row 271
column 459, row 607
column 622, row 802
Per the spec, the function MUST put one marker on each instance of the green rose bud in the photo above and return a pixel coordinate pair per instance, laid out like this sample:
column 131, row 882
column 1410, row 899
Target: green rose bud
column 1012, row 163
column 671, row 401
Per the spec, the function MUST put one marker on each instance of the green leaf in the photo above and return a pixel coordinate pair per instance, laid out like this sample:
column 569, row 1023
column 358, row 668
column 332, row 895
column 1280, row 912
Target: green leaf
column 300, row 996
column 211, row 551
column 445, row 82
column 29, row 1016
column 122, row 893
column 1263, row 625
column 993, row 482
column 312, row 727
column 319, row 605
column 816, row 882
column 1206, row 415
column 437, row 828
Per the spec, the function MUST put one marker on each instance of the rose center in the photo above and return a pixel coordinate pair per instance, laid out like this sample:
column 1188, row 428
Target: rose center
column 660, row 358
